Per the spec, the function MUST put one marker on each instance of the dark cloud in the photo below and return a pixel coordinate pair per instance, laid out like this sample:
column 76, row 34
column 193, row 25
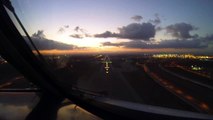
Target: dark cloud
column 66, row 26
column 78, row 29
column 81, row 33
column 45, row 44
column 79, row 36
column 158, row 28
column 131, row 44
column 208, row 38
column 134, row 31
column 157, row 20
column 39, row 34
column 61, row 30
column 197, row 43
column 181, row 30
column 106, row 34
column 143, row 31
column 113, row 44
column 137, row 18
column 87, row 35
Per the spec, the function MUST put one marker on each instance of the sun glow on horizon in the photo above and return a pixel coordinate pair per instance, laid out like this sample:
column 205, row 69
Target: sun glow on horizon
column 113, row 50
column 90, row 42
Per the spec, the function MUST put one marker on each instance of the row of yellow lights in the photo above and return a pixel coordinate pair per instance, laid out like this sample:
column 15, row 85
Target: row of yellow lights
column 178, row 91
column 180, row 56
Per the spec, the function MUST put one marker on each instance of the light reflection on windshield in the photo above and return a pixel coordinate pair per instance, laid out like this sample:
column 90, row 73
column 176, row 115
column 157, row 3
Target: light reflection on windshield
column 16, row 106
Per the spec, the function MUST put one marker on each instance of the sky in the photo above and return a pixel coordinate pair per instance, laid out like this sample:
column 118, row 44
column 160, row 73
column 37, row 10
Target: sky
column 119, row 25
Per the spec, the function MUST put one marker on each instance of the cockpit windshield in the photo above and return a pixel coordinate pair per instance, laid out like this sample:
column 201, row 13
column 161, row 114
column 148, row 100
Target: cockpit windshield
column 153, row 52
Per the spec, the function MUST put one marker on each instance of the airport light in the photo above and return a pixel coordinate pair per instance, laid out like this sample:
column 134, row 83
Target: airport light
column 196, row 68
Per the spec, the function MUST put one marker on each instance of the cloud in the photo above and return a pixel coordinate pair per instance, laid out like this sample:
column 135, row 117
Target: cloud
column 143, row 31
column 107, row 34
column 66, row 26
column 39, row 34
column 175, row 43
column 181, row 30
column 45, row 44
column 208, row 38
column 134, row 31
column 61, row 30
column 81, row 33
column 137, row 18
column 79, row 36
column 131, row 44
column 158, row 28
column 113, row 44
column 78, row 29
column 157, row 20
